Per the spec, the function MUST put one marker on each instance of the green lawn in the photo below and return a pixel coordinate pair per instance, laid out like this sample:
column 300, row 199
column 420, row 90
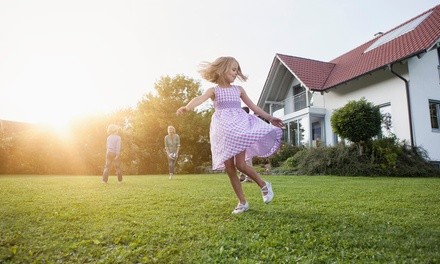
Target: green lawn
column 150, row 219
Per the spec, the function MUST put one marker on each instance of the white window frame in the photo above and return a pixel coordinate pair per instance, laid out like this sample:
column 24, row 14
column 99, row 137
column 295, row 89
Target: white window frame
column 436, row 104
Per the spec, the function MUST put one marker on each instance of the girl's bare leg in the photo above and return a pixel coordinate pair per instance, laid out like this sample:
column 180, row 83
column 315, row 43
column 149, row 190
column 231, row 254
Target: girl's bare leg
column 235, row 181
column 266, row 187
column 248, row 170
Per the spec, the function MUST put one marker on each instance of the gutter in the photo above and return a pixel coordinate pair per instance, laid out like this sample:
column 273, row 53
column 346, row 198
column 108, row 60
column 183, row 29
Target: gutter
column 408, row 101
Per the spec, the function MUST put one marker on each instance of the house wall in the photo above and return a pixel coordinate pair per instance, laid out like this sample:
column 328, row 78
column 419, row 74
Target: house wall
column 288, row 102
column 424, row 86
column 379, row 88
column 382, row 87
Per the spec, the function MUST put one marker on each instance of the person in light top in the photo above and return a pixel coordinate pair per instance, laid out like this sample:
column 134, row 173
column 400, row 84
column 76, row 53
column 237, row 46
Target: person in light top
column 112, row 155
column 172, row 147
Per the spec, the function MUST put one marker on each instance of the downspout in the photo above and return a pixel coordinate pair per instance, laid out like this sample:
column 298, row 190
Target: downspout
column 408, row 101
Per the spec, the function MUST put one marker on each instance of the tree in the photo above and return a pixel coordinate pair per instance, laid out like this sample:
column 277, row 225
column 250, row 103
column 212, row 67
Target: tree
column 357, row 121
column 156, row 111
column 6, row 147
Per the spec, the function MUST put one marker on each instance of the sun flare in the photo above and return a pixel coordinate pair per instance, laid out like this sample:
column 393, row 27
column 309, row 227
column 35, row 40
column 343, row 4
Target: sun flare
column 61, row 127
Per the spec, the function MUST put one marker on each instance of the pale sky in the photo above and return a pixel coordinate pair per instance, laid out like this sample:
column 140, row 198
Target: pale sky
column 66, row 58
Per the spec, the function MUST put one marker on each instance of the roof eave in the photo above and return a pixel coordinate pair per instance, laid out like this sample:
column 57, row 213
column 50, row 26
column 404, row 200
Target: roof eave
column 435, row 45
column 385, row 66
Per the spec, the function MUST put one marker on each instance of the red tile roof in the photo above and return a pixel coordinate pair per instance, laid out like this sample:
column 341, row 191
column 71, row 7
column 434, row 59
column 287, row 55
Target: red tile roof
column 320, row 76
column 311, row 73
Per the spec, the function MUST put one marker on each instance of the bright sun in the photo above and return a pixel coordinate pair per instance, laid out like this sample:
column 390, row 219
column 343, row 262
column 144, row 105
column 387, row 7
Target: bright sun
column 60, row 128
column 58, row 90
column 56, row 119
column 52, row 73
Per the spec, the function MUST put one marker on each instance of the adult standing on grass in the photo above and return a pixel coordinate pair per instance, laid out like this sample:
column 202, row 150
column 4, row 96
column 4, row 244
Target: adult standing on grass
column 235, row 135
column 113, row 153
column 172, row 146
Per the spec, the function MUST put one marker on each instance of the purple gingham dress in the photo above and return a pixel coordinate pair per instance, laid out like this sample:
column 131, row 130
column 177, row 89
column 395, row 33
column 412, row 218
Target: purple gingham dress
column 233, row 130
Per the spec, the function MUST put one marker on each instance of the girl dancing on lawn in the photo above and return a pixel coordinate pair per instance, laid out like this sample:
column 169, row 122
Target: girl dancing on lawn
column 235, row 135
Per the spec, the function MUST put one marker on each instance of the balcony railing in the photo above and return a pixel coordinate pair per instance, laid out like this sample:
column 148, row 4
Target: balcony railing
column 295, row 103
column 300, row 101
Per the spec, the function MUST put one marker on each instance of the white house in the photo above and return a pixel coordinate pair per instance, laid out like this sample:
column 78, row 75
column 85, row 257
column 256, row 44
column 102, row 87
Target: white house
column 398, row 70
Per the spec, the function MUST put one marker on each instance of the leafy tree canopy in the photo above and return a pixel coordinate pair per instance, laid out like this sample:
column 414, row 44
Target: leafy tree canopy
column 156, row 111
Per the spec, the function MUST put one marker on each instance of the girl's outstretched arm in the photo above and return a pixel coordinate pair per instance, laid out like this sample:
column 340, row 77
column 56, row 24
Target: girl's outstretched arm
column 196, row 101
column 260, row 112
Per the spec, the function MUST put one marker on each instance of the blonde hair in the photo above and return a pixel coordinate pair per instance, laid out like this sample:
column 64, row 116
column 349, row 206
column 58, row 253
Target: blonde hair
column 214, row 71
column 112, row 128
column 171, row 127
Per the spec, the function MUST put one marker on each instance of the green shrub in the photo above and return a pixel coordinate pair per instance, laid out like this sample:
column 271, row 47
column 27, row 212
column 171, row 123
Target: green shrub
column 286, row 151
column 398, row 158
column 336, row 160
column 383, row 157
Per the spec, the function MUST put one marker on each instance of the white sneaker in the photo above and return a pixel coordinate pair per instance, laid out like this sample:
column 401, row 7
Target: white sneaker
column 241, row 208
column 267, row 198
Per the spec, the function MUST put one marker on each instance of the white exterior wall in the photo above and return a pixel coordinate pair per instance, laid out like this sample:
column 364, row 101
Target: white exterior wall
column 380, row 88
column 383, row 87
column 424, row 86
column 288, row 106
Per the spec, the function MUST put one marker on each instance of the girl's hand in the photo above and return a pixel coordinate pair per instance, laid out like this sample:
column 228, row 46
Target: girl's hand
column 277, row 122
column 181, row 110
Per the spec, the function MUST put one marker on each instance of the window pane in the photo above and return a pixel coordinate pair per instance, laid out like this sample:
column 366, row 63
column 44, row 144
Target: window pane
column 300, row 101
column 304, row 131
column 387, row 127
column 286, row 135
column 294, row 133
column 434, row 112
